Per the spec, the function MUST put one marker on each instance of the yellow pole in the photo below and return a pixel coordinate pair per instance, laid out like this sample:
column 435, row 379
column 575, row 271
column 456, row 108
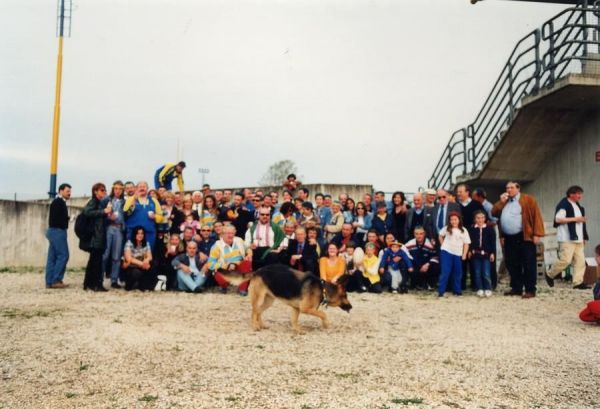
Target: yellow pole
column 56, row 124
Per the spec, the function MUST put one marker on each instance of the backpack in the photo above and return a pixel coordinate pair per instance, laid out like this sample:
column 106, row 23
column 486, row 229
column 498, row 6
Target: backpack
column 84, row 230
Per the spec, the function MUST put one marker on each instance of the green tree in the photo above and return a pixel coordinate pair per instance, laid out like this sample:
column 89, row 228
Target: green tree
column 277, row 173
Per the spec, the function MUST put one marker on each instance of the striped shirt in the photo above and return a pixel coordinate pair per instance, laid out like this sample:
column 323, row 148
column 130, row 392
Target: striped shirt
column 222, row 254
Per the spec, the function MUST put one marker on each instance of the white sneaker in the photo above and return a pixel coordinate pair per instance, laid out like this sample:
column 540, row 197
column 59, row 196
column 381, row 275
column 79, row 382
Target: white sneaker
column 488, row 293
column 480, row 293
column 161, row 284
column 394, row 291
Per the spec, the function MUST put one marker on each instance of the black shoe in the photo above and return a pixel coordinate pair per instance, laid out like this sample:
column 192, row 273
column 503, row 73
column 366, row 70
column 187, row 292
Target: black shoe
column 581, row 286
column 513, row 293
column 198, row 290
column 549, row 280
column 100, row 289
column 115, row 285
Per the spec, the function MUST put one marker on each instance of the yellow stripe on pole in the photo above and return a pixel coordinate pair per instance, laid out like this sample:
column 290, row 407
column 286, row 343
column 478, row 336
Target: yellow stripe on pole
column 56, row 125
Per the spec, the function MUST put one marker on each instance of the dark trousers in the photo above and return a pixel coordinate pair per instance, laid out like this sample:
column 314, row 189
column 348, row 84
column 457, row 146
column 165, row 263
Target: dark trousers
column 424, row 280
column 519, row 256
column 138, row 279
column 93, row 272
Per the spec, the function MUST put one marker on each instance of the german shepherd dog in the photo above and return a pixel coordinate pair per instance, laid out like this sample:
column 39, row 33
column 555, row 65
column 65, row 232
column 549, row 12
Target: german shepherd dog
column 303, row 291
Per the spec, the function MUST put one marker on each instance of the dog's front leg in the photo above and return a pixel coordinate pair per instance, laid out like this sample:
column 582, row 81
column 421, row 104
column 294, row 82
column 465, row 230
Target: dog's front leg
column 317, row 313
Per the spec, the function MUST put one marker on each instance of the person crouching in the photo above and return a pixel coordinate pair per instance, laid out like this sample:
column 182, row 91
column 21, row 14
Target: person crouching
column 396, row 262
column 190, row 276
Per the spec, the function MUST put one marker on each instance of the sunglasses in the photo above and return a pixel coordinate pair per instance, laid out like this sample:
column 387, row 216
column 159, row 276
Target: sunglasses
column 441, row 197
column 264, row 214
column 205, row 230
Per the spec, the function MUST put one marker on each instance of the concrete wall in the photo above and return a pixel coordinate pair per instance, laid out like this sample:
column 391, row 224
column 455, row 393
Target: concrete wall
column 23, row 241
column 575, row 164
column 356, row 192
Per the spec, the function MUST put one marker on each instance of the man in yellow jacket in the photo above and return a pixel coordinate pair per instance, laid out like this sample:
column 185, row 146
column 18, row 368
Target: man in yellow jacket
column 165, row 174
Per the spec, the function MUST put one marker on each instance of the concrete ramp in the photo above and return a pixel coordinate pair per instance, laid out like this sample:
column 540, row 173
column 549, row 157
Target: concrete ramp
column 542, row 125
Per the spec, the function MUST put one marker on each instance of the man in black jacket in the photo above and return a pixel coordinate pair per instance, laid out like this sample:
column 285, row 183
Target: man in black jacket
column 571, row 233
column 301, row 253
column 58, row 251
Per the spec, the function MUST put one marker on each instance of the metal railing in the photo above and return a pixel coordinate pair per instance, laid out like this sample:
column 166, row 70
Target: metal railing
column 563, row 45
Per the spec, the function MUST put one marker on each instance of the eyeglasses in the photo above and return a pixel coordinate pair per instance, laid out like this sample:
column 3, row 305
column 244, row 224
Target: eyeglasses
column 264, row 214
column 441, row 197
column 205, row 230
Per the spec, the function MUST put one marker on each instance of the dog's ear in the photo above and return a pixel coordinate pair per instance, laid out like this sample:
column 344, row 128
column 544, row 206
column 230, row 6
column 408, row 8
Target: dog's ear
column 343, row 280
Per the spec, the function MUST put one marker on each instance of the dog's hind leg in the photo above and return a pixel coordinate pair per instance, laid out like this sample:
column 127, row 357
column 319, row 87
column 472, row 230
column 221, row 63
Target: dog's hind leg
column 257, row 297
column 267, row 302
column 295, row 325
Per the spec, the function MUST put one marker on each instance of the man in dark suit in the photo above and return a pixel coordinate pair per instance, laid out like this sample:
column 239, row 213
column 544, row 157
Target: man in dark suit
column 416, row 216
column 301, row 253
column 439, row 215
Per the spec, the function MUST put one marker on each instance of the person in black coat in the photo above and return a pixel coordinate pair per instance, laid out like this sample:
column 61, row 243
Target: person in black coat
column 96, row 210
column 301, row 253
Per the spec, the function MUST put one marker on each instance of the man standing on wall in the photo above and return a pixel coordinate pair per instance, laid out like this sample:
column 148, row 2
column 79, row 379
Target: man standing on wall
column 571, row 233
column 58, row 251
column 521, row 228
column 163, row 177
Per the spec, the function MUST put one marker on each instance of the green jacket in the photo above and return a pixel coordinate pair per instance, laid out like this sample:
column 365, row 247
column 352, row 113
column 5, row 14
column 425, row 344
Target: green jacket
column 278, row 234
column 95, row 210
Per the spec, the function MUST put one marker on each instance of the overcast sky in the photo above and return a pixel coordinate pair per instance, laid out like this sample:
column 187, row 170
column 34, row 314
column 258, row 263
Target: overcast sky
column 352, row 91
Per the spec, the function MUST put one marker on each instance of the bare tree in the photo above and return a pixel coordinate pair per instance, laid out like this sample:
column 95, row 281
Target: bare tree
column 277, row 173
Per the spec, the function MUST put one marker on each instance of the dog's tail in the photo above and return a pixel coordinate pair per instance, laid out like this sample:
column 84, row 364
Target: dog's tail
column 234, row 277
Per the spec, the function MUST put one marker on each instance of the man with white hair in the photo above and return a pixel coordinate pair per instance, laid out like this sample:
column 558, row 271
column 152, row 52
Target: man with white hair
column 416, row 216
column 229, row 253
column 197, row 201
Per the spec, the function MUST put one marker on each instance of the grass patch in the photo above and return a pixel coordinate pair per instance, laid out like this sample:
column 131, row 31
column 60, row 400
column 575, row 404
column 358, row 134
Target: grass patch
column 260, row 346
column 83, row 367
column 117, row 321
column 232, row 399
column 148, row 398
column 345, row 375
column 16, row 313
column 407, row 401
column 298, row 392
column 70, row 395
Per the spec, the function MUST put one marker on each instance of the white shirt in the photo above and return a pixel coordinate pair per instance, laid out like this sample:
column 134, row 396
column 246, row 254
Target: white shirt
column 453, row 243
column 562, row 232
column 511, row 218
column 264, row 236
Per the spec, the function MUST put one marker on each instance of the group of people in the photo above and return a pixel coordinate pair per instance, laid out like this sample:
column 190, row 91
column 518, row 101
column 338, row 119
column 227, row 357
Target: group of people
column 157, row 239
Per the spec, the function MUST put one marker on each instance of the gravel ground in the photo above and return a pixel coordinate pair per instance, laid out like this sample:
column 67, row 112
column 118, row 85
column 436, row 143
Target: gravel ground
column 75, row 349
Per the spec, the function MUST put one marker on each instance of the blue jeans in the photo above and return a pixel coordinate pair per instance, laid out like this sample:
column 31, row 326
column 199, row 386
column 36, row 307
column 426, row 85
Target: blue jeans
column 451, row 266
column 114, row 248
column 481, row 272
column 189, row 282
column 58, row 255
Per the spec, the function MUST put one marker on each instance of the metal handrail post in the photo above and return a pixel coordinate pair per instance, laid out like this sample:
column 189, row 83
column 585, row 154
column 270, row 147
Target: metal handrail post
column 538, row 64
column 551, row 77
column 510, row 92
